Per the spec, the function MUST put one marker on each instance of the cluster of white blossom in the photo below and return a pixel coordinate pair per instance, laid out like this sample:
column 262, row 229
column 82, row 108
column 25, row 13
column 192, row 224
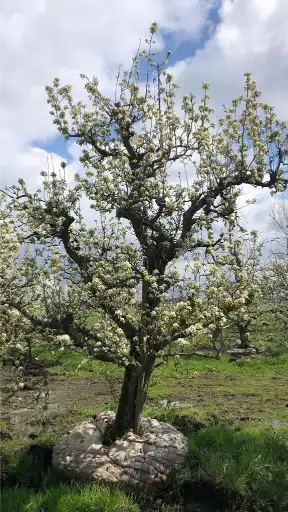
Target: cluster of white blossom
column 128, row 147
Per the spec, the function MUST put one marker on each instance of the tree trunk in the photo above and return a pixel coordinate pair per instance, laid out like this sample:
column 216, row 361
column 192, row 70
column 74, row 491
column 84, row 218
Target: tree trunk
column 216, row 337
column 244, row 336
column 132, row 398
column 136, row 381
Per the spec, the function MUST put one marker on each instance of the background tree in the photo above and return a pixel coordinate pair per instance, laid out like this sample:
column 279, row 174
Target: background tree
column 230, row 289
column 11, row 321
column 279, row 220
column 129, row 145
column 244, row 280
column 275, row 273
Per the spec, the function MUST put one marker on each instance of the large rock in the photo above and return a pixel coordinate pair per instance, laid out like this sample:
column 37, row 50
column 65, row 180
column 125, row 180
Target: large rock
column 143, row 462
column 240, row 352
column 251, row 351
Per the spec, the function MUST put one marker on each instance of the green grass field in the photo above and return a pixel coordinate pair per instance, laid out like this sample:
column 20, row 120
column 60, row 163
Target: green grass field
column 234, row 414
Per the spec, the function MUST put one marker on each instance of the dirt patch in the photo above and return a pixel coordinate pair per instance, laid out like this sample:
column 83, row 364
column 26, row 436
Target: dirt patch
column 231, row 399
column 80, row 392
column 67, row 398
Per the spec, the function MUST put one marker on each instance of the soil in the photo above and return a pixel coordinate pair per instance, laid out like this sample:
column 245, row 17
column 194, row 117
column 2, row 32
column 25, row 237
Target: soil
column 74, row 394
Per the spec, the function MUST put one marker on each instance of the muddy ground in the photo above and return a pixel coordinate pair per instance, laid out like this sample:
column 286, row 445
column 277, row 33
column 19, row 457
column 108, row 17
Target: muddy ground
column 229, row 398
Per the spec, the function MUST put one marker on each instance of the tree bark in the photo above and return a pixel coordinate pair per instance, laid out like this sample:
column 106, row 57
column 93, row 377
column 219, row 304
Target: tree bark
column 136, row 381
column 244, row 336
column 217, row 346
column 132, row 399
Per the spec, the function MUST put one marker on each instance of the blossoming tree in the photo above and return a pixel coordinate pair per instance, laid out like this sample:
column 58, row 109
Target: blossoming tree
column 10, row 246
column 226, row 290
column 275, row 273
column 233, row 287
column 129, row 144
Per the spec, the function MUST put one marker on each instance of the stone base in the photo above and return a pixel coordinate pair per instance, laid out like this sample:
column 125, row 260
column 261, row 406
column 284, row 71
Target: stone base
column 139, row 463
column 250, row 351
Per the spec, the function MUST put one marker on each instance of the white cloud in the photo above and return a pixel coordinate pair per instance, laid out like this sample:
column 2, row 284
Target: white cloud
column 43, row 39
column 252, row 36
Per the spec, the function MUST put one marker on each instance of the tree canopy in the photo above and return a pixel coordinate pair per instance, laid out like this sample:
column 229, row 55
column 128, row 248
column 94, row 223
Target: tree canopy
column 133, row 146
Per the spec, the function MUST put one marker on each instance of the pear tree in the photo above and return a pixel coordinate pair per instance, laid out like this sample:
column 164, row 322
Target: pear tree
column 233, row 287
column 131, row 146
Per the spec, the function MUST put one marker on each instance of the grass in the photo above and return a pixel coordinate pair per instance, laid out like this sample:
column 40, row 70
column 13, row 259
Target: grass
column 74, row 363
column 251, row 390
column 257, row 366
column 253, row 460
column 227, row 413
column 67, row 498
column 30, row 466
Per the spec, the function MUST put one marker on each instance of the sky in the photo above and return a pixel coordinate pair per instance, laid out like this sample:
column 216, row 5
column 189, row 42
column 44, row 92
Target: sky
column 213, row 41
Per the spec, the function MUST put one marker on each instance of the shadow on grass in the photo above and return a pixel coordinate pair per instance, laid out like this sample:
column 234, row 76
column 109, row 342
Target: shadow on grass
column 28, row 467
column 30, row 483
column 248, row 463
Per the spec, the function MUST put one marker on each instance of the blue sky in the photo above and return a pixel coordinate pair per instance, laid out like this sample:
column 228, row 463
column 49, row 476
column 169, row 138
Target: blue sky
column 182, row 48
